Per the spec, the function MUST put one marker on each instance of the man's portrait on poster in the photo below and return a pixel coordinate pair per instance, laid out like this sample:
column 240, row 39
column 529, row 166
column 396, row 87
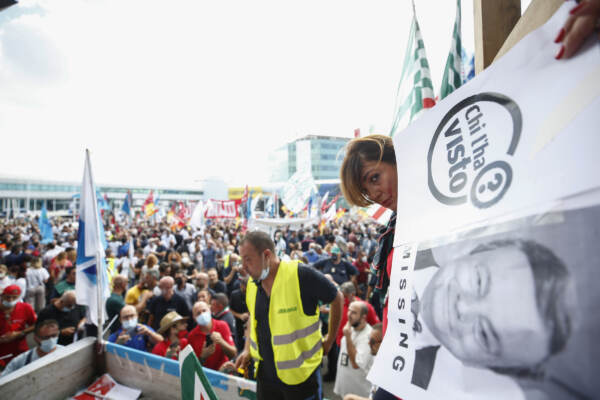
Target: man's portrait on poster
column 511, row 303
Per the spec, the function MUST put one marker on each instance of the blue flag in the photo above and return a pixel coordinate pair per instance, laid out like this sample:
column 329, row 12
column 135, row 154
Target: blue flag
column 45, row 227
column 91, row 288
column 127, row 204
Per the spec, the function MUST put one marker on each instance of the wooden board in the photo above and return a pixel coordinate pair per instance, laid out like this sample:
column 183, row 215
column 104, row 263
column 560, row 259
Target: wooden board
column 493, row 22
column 538, row 12
column 56, row 376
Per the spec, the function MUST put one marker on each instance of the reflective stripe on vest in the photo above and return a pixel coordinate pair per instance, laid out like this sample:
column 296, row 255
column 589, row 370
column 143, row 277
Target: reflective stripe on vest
column 305, row 355
column 300, row 333
column 296, row 338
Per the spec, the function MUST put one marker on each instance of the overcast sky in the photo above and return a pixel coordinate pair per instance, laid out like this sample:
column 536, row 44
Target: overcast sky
column 173, row 92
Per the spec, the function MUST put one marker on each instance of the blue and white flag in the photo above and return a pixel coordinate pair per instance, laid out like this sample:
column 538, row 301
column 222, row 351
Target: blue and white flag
column 91, row 288
column 45, row 226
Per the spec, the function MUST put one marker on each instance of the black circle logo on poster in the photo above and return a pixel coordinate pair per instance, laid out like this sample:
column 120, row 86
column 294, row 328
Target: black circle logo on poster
column 469, row 155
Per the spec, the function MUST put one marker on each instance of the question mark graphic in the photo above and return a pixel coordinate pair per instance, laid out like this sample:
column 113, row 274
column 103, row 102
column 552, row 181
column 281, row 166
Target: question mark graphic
column 492, row 185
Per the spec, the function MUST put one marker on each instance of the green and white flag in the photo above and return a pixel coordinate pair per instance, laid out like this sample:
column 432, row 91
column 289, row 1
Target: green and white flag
column 415, row 91
column 452, row 78
column 194, row 384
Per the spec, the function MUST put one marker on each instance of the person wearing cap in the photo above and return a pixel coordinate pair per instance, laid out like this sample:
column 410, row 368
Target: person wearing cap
column 16, row 321
column 283, row 335
column 46, row 336
column 170, row 327
column 341, row 270
column 211, row 339
column 133, row 334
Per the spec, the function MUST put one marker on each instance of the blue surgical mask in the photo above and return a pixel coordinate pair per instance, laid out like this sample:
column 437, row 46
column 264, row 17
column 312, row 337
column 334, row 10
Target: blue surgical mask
column 130, row 324
column 49, row 344
column 204, row 318
column 9, row 304
column 66, row 309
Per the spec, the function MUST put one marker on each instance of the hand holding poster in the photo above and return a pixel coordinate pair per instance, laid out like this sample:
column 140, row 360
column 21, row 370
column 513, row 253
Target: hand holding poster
column 493, row 292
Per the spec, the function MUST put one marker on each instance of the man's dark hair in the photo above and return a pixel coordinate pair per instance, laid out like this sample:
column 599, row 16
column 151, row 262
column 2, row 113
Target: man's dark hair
column 222, row 299
column 43, row 323
column 68, row 270
column 259, row 240
column 551, row 280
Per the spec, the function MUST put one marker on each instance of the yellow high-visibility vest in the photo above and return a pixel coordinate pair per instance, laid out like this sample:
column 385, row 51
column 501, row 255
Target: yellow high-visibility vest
column 295, row 337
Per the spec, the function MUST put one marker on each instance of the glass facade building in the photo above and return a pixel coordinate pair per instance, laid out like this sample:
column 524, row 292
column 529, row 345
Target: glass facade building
column 323, row 155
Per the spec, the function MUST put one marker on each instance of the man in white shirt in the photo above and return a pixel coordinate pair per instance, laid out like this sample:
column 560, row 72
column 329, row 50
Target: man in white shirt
column 355, row 356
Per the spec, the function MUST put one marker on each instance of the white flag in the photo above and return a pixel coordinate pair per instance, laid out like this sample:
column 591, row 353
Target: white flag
column 91, row 243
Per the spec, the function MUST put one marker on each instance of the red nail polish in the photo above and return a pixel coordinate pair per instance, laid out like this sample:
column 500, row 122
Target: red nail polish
column 576, row 8
column 560, row 53
column 560, row 36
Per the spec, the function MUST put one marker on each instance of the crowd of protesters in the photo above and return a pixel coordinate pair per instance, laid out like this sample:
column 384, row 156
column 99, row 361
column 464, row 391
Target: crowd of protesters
column 176, row 286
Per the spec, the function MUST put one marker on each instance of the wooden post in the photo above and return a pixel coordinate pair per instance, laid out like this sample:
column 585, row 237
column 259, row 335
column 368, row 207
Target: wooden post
column 493, row 22
column 536, row 15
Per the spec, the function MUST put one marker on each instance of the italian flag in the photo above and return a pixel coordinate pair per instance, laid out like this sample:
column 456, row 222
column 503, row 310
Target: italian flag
column 194, row 384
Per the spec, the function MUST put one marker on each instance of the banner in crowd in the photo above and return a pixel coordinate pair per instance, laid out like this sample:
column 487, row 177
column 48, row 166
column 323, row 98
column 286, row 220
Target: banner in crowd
column 220, row 209
column 493, row 288
column 522, row 131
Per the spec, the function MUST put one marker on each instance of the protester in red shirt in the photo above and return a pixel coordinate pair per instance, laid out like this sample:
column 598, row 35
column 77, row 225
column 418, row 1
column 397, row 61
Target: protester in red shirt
column 211, row 339
column 170, row 327
column 16, row 321
column 362, row 266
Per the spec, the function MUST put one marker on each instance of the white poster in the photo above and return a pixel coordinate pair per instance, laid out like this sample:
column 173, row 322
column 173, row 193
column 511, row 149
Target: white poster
column 494, row 285
column 523, row 131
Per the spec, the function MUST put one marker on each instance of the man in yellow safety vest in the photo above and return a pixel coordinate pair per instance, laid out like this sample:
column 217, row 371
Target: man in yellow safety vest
column 284, row 335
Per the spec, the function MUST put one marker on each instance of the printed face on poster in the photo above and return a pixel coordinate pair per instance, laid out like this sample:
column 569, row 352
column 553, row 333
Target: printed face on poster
column 505, row 311
column 493, row 288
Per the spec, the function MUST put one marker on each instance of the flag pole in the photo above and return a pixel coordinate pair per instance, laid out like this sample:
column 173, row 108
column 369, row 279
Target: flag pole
column 99, row 274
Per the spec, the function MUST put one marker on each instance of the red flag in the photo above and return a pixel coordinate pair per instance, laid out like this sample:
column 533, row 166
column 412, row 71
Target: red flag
column 357, row 133
column 337, row 196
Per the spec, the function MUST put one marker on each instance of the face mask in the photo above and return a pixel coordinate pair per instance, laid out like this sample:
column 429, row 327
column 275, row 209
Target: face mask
column 9, row 304
column 49, row 344
column 364, row 259
column 204, row 318
column 130, row 324
column 265, row 271
column 66, row 309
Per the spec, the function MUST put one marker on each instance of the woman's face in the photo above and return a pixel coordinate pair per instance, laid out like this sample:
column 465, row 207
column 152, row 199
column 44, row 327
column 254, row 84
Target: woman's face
column 380, row 181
